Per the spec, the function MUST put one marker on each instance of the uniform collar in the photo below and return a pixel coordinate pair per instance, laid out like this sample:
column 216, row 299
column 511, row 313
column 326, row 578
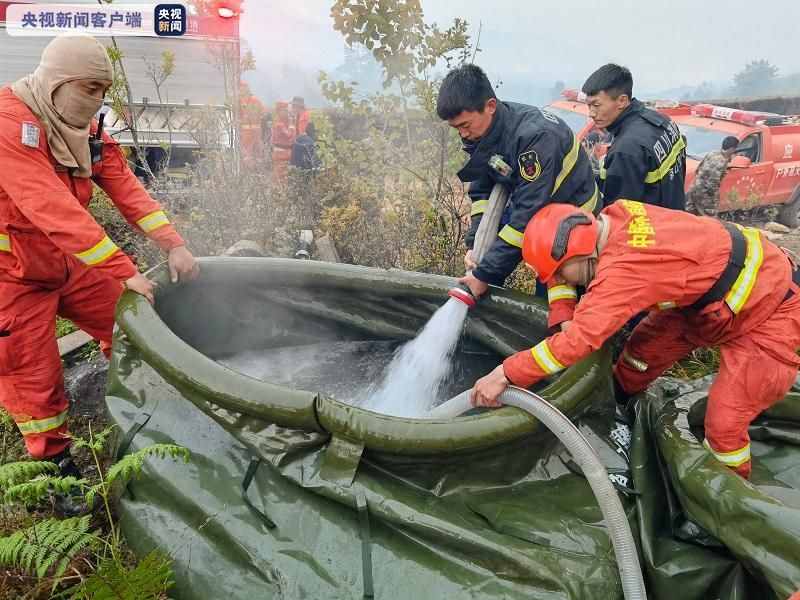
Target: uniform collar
column 635, row 107
column 482, row 150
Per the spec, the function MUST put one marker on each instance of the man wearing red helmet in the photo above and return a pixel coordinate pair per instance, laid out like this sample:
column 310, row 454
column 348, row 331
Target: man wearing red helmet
column 705, row 283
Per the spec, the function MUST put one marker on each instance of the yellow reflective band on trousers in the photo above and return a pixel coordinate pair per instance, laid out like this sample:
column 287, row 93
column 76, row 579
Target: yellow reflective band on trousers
column 511, row 236
column 545, row 359
column 153, row 221
column 568, row 163
column 669, row 162
column 743, row 286
column 98, row 253
column 478, row 207
column 5, row 243
column 733, row 459
column 42, row 425
column 561, row 292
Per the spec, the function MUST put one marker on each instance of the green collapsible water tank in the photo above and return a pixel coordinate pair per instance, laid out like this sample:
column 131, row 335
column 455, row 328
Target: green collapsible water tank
column 293, row 493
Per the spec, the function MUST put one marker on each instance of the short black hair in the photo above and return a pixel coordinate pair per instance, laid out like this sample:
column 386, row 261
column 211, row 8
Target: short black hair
column 729, row 142
column 465, row 88
column 611, row 79
column 311, row 131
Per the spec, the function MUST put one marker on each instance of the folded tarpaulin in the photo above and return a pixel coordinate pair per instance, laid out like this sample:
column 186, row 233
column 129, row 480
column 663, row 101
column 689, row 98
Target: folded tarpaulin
column 705, row 530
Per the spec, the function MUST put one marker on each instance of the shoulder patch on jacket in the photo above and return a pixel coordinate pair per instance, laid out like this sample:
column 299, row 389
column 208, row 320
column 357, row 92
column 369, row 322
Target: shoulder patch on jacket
column 30, row 134
column 529, row 166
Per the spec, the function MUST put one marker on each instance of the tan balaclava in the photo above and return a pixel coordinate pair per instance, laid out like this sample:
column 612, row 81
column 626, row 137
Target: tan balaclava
column 66, row 112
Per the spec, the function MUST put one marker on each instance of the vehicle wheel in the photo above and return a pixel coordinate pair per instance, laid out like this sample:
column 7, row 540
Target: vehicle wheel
column 788, row 214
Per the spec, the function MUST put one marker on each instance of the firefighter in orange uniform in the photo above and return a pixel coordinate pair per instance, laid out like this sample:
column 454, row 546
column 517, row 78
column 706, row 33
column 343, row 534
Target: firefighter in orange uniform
column 300, row 116
column 706, row 283
column 54, row 257
column 251, row 118
column 283, row 136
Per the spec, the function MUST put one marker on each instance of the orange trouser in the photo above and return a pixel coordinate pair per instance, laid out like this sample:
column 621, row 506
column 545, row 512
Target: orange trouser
column 31, row 376
column 756, row 368
column 280, row 164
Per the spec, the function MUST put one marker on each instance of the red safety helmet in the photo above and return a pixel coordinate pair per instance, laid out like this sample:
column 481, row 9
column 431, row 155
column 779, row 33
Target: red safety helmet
column 555, row 234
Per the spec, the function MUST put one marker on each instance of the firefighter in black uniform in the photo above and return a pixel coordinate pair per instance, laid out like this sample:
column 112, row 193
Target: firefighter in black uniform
column 547, row 164
column 647, row 158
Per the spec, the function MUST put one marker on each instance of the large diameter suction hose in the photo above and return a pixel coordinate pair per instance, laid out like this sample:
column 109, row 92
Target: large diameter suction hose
column 582, row 452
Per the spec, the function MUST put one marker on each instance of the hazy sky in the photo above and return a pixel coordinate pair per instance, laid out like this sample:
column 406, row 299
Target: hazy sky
column 687, row 43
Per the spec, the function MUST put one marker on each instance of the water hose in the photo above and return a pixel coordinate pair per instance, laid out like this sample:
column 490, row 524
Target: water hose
column 584, row 455
column 484, row 238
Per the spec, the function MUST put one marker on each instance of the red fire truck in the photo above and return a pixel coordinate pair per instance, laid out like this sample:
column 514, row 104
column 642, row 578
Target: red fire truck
column 766, row 167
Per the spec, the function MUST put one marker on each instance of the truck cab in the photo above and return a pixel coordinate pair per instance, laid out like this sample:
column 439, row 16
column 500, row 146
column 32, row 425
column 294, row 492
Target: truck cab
column 766, row 167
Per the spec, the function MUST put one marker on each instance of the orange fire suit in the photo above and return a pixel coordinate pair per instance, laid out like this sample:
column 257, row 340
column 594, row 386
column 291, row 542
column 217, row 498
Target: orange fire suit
column 301, row 122
column 666, row 261
column 283, row 136
column 252, row 115
column 55, row 259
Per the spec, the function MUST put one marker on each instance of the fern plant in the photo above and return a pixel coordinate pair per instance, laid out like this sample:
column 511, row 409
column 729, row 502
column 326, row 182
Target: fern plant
column 38, row 489
column 114, row 581
column 49, row 544
column 30, row 482
column 120, row 473
column 47, row 547
column 131, row 466
column 14, row 473
column 6, row 426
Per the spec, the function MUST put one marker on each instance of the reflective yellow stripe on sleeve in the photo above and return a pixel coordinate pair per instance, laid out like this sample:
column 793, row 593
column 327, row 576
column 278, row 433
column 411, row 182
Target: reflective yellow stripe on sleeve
column 545, row 359
column 511, row 236
column 561, row 292
column 591, row 204
column 666, row 305
column 478, row 207
column 42, row 425
column 5, row 243
column 743, row 286
column 669, row 162
column 568, row 163
column 730, row 459
column 98, row 253
column 153, row 221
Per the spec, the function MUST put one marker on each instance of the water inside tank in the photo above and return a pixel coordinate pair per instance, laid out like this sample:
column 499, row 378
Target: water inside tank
column 348, row 370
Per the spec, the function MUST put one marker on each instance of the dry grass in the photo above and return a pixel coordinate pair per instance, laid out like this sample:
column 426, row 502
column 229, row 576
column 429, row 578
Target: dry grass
column 701, row 362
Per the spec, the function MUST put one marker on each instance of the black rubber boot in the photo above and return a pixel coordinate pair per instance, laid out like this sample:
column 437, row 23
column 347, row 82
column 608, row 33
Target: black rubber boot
column 620, row 395
column 625, row 410
column 72, row 504
column 66, row 464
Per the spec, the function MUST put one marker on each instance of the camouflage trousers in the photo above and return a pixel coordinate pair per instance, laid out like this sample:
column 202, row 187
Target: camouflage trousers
column 704, row 205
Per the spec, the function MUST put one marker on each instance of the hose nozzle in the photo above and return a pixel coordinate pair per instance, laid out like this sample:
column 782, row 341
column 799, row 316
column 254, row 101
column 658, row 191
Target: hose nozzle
column 464, row 294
